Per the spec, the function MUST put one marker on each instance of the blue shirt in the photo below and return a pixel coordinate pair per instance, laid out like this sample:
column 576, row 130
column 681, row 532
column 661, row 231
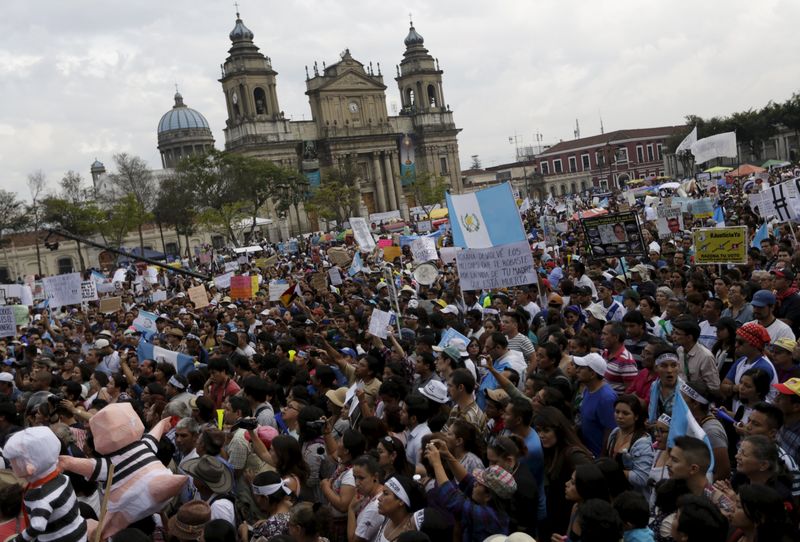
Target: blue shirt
column 535, row 462
column 597, row 417
column 489, row 383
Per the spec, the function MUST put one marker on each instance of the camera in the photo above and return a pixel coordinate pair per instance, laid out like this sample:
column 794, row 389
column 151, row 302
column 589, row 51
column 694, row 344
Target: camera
column 245, row 423
column 316, row 424
column 55, row 399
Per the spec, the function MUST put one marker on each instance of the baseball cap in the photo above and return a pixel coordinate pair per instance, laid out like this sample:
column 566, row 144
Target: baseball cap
column 435, row 391
column 785, row 273
column 6, row 377
column 593, row 361
column 449, row 309
column 555, row 298
column 790, row 387
column 597, row 311
column 101, row 343
column 763, row 298
column 784, row 343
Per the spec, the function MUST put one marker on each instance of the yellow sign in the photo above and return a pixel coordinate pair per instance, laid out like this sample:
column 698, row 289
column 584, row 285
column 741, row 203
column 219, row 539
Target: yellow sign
column 720, row 245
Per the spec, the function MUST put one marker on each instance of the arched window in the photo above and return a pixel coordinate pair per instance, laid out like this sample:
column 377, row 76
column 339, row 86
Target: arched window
column 260, row 98
column 563, row 189
column 583, row 186
column 235, row 105
column 64, row 265
column 432, row 101
column 572, row 187
column 410, row 98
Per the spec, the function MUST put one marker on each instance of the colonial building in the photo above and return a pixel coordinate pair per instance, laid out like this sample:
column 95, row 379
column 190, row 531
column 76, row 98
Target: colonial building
column 349, row 121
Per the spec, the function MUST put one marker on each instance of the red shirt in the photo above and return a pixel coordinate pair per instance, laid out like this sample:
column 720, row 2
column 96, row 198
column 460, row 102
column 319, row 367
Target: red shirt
column 217, row 394
column 640, row 386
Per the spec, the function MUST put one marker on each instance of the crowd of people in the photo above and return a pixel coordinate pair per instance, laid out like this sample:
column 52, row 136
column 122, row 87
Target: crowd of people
column 537, row 412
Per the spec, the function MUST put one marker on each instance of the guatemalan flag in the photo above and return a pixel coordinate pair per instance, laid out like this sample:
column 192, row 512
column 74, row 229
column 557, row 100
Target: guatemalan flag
column 485, row 218
column 683, row 423
column 183, row 363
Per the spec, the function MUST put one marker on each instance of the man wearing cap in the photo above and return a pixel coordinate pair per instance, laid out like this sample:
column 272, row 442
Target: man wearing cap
column 781, row 354
column 788, row 400
column 787, row 298
column 763, row 306
column 751, row 339
column 614, row 309
column 597, row 406
column 109, row 363
column 175, row 340
column 577, row 272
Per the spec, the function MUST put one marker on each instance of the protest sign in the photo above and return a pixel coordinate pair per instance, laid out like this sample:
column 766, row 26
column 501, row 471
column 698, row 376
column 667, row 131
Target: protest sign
column 383, row 243
column 614, row 235
column 62, row 290
column 223, row 281
column 495, row 267
column 119, row 275
column 390, row 253
column 720, row 245
column 89, row 290
column 384, row 217
column 362, row 234
column 276, row 290
column 231, row 266
column 702, row 208
column 780, row 201
column 424, row 226
column 21, row 314
column 109, row 305
column 198, row 296
column 669, row 222
column 357, row 266
column 448, row 254
column 424, row 249
column 379, row 322
column 338, row 256
column 243, row 259
column 16, row 291
column 8, row 322
column 145, row 323
column 254, row 284
column 158, row 295
column 319, row 281
column 450, row 334
column 241, row 287
column 335, row 276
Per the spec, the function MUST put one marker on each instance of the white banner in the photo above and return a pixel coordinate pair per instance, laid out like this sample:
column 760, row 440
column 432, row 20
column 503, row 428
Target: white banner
column 688, row 141
column 63, row 290
column 8, row 322
column 89, row 290
column 223, row 281
column 496, row 267
column 362, row 234
column 424, row 249
column 669, row 222
column 716, row 146
column 379, row 322
column 16, row 291
column 448, row 254
column 381, row 217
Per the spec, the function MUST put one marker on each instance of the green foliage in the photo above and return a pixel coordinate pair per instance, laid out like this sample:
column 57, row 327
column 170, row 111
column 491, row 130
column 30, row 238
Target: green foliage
column 337, row 196
column 428, row 190
column 12, row 213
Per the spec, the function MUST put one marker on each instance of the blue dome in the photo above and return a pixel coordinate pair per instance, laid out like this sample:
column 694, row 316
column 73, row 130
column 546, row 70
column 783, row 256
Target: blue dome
column 240, row 32
column 413, row 38
column 181, row 117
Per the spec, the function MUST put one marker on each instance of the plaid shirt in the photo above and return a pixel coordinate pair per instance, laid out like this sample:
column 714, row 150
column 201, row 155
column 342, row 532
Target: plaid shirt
column 473, row 414
column 789, row 440
column 478, row 522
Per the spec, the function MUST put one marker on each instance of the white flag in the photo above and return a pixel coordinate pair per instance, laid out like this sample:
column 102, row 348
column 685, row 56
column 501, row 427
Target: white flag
column 688, row 141
column 716, row 146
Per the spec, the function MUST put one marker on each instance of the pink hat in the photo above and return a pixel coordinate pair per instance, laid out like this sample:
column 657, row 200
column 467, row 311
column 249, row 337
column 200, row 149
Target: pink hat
column 265, row 434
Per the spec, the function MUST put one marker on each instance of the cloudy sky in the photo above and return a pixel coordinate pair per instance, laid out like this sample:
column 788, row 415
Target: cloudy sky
column 84, row 79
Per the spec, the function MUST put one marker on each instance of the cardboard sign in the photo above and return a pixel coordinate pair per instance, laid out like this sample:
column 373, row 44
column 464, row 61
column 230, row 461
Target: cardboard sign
column 335, row 276
column 424, row 250
column 390, row 253
column 8, row 322
column 669, row 222
column 241, row 287
column 198, row 296
column 362, row 234
column 319, row 281
column 615, row 234
column 379, row 322
column 496, row 267
column 110, row 305
column 338, row 256
column 63, row 290
column 89, row 290
column 720, row 245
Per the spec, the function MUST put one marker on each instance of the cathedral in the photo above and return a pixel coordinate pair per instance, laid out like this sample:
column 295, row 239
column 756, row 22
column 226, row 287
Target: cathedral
column 349, row 121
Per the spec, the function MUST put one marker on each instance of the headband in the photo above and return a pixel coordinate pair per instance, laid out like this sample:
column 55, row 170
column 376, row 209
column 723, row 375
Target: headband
column 666, row 419
column 667, row 356
column 419, row 518
column 691, row 392
column 397, row 488
column 271, row 489
column 174, row 381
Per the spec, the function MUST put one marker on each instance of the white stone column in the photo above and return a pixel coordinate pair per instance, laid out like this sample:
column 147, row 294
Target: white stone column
column 393, row 204
column 379, row 192
column 398, row 185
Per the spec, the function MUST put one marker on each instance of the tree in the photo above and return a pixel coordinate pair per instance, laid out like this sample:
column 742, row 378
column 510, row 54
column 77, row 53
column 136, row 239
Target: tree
column 175, row 207
column 134, row 177
column 428, row 190
column 73, row 210
column 337, row 196
column 36, row 184
column 476, row 162
column 12, row 217
column 118, row 220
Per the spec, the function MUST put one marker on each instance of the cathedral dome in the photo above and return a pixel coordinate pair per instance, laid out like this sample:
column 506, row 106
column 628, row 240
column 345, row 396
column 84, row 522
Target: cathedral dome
column 413, row 37
column 240, row 32
column 181, row 117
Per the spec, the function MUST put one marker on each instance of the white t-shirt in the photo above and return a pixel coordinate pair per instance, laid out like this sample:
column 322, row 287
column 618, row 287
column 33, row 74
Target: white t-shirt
column 779, row 329
column 708, row 334
column 223, row 509
column 369, row 521
column 414, row 443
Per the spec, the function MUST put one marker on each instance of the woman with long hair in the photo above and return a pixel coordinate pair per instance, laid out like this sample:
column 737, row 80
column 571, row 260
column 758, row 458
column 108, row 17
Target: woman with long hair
column 363, row 518
column 629, row 441
column 760, row 516
column 507, row 452
column 392, row 458
column 587, row 482
column 563, row 452
column 307, row 523
column 724, row 349
column 649, row 309
column 340, row 489
column 287, row 458
column 400, row 498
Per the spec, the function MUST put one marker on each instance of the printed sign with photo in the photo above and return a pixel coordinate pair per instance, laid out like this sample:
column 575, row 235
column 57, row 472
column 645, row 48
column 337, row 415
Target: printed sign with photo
column 613, row 235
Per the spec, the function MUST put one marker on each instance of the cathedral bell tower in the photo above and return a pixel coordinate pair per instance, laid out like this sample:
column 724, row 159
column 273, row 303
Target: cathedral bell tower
column 248, row 81
column 419, row 78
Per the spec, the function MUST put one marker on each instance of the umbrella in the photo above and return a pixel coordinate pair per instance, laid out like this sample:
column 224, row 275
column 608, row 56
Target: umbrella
column 589, row 213
column 438, row 213
column 669, row 186
column 775, row 163
column 745, row 170
column 717, row 169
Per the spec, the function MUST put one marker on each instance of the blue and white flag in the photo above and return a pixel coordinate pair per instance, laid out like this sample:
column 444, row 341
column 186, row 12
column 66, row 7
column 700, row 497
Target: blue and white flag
column 356, row 267
column 145, row 323
column 761, row 233
column 719, row 216
column 97, row 276
column 683, row 423
column 485, row 218
column 184, row 364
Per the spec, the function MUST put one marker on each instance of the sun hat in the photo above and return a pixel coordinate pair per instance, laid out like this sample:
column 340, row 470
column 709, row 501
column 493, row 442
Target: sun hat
column 337, row 396
column 435, row 391
column 191, row 519
column 211, row 472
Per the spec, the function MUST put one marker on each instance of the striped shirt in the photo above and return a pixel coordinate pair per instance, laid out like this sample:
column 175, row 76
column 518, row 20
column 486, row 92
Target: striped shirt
column 127, row 461
column 52, row 510
column 521, row 343
column 621, row 370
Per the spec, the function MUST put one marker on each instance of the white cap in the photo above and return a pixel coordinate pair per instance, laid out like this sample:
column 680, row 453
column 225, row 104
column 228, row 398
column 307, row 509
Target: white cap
column 435, row 391
column 598, row 311
column 450, row 309
column 101, row 343
column 594, row 361
column 6, row 377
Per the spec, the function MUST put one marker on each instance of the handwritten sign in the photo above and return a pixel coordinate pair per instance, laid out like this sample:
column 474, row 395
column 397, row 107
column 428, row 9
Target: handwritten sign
column 379, row 323
column 276, row 290
column 63, row 290
column 159, row 295
column 362, row 234
column 335, row 276
column 223, row 281
column 109, row 305
column 198, row 296
column 241, row 287
column 8, row 322
column 89, row 290
column 424, row 249
column 496, row 267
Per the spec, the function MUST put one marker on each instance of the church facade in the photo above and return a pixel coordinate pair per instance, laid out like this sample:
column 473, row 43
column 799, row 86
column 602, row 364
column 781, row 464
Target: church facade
column 349, row 121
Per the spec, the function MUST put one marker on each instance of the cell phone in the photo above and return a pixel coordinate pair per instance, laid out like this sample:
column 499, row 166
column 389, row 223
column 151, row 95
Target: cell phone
column 484, row 362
